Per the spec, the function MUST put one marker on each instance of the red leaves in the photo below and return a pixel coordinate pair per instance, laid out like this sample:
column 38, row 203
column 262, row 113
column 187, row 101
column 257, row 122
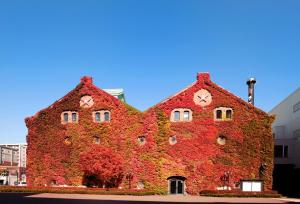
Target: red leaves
column 101, row 162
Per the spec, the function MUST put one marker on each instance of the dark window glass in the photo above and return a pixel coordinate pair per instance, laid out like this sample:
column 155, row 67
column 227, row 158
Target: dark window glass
column 228, row 114
column 106, row 116
column 278, row 151
column 286, row 152
column 176, row 115
column 66, row 117
column 97, row 116
column 74, row 117
column 219, row 114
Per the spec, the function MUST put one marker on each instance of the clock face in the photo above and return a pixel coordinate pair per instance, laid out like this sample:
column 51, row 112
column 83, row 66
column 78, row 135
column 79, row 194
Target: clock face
column 202, row 98
column 86, row 101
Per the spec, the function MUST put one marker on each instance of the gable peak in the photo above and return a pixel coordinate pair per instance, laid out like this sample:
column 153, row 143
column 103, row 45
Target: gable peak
column 86, row 80
column 203, row 76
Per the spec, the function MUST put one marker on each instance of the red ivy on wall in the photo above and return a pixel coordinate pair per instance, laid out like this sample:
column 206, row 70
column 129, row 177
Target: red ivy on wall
column 196, row 155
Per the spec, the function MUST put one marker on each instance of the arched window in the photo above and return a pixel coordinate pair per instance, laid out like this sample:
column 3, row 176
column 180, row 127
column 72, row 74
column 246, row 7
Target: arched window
column 176, row 115
column 69, row 117
column 228, row 114
column 186, row 115
column 96, row 140
column 66, row 117
column 97, row 116
column 221, row 140
column 101, row 116
column 219, row 114
column 74, row 117
column 141, row 140
column 223, row 114
column 181, row 115
column 106, row 116
column 67, row 140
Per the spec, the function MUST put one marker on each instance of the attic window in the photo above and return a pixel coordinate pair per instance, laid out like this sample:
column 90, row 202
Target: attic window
column 223, row 114
column 181, row 114
column 141, row 140
column 228, row 114
column 97, row 116
column 66, row 117
column 106, row 116
column 69, row 117
column 74, row 117
column 176, row 115
column 101, row 116
column 219, row 114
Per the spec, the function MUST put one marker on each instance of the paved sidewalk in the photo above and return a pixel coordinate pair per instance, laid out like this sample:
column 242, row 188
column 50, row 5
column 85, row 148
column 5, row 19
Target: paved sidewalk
column 169, row 198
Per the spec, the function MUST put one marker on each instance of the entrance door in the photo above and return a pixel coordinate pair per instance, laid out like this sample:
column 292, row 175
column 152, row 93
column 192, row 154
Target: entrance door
column 176, row 185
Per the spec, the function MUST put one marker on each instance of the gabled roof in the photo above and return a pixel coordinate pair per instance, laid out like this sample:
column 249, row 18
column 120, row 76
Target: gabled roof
column 204, row 77
column 84, row 82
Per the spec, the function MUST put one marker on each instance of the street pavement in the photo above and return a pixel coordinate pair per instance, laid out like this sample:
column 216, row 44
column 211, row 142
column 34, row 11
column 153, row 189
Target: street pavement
column 50, row 198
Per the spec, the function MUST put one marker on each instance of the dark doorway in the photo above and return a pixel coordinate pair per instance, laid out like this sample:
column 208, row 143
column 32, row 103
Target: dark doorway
column 176, row 185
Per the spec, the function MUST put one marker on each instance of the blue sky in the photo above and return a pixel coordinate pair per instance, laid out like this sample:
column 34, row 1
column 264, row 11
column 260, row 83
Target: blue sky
column 152, row 49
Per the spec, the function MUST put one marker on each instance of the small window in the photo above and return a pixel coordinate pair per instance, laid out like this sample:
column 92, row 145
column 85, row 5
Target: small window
column 67, row 140
column 101, row 116
column 106, row 116
column 140, row 185
column 186, row 115
column 97, row 116
column 141, row 140
column 228, row 114
column 96, row 140
column 74, row 117
column 223, row 114
column 66, row 117
column 221, row 140
column 176, row 115
column 172, row 140
column 219, row 114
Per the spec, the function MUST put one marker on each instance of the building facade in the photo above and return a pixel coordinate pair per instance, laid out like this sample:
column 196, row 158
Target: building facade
column 201, row 138
column 12, row 164
column 286, row 129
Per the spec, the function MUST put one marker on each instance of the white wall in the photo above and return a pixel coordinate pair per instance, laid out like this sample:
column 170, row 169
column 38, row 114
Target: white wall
column 285, row 128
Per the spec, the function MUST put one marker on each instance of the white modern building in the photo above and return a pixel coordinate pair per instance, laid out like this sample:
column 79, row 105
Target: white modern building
column 12, row 164
column 286, row 129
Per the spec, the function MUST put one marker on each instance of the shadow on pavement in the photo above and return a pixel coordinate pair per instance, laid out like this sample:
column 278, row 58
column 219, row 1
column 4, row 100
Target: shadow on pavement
column 17, row 198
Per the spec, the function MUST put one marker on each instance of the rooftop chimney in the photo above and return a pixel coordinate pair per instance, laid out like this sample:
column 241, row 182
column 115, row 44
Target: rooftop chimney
column 86, row 80
column 204, row 76
column 251, row 81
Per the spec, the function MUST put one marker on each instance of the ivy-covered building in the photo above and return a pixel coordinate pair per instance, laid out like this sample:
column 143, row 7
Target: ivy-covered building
column 202, row 138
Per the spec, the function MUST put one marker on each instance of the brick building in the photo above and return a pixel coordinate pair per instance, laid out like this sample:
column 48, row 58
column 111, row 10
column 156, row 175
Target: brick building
column 201, row 138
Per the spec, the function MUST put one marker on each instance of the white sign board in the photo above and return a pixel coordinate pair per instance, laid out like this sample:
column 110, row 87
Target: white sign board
column 252, row 186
